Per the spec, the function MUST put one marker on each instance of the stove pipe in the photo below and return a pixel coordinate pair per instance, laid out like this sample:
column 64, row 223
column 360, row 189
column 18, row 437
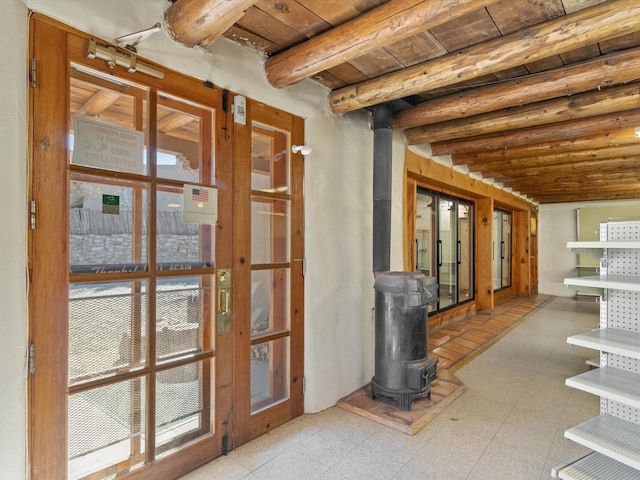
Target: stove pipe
column 382, row 148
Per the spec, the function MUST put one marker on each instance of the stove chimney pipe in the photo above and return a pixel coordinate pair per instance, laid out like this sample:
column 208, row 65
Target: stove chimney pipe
column 382, row 148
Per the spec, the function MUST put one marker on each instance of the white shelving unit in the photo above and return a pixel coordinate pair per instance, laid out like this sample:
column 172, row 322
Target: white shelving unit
column 614, row 435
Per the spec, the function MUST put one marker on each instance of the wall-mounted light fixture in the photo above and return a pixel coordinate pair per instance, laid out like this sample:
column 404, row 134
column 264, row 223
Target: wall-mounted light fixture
column 303, row 149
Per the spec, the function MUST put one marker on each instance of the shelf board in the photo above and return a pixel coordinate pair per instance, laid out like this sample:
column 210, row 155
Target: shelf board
column 611, row 340
column 612, row 244
column 611, row 436
column 595, row 466
column 617, row 282
column 612, row 383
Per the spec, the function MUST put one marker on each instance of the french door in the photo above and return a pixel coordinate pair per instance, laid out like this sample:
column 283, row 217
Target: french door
column 138, row 307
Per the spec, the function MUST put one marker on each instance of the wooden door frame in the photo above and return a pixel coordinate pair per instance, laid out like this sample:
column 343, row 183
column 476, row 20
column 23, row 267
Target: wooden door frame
column 48, row 179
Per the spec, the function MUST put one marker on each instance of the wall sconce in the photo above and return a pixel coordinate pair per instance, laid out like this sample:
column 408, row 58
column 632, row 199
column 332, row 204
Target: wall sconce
column 303, row 149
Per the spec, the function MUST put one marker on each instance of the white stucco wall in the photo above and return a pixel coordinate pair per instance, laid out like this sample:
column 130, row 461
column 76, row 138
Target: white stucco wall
column 13, row 218
column 557, row 226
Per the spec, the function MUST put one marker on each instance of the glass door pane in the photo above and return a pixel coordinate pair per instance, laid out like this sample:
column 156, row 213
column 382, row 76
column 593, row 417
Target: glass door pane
column 501, row 249
column 447, row 251
column 505, row 250
column 497, row 250
column 270, row 263
column 465, row 251
column 425, row 237
column 140, row 308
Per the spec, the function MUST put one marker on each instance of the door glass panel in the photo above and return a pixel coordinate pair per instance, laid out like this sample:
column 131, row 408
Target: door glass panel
column 269, row 373
column 506, row 249
column 497, row 250
column 107, row 325
column 270, row 284
column 114, row 323
column 180, row 245
column 444, row 243
column 182, row 305
column 501, row 249
column 447, row 247
column 465, row 251
column 180, row 151
column 108, row 118
column 270, row 160
column 270, row 228
column 425, row 253
column 183, row 405
column 107, row 225
column 106, row 429
column 269, row 300
column 426, row 237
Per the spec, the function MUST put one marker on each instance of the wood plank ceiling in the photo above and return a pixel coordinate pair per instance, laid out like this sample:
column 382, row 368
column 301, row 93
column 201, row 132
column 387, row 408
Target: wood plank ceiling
column 541, row 96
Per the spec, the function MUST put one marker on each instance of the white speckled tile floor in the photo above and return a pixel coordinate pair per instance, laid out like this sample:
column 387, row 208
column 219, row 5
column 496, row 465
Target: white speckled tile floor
column 509, row 424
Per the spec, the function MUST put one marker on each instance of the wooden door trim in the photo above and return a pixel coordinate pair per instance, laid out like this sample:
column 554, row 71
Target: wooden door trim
column 48, row 179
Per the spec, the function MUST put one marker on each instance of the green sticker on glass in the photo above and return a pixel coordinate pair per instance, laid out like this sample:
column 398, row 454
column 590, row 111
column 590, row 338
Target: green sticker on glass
column 111, row 204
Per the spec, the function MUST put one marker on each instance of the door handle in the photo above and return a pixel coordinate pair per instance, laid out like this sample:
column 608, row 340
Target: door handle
column 223, row 301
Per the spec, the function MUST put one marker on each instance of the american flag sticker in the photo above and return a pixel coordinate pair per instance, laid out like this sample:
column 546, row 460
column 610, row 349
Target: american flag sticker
column 200, row 204
column 200, row 194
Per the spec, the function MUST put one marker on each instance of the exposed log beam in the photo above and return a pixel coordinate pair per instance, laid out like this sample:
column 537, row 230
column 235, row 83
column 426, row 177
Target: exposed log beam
column 597, row 141
column 554, row 132
column 589, row 104
column 98, row 103
column 174, row 121
column 554, row 37
column 610, row 182
column 548, row 172
column 604, row 71
column 391, row 22
column 628, row 151
column 594, row 187
column 201, row 22
column 587, row 197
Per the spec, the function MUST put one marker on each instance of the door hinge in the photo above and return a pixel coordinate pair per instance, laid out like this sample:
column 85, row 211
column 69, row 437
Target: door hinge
column 304, row 385
column 33, row 79
column 32, row 209
column 32, row 358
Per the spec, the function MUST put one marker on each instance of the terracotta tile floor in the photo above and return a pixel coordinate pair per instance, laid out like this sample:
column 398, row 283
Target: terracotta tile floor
column 460, row 342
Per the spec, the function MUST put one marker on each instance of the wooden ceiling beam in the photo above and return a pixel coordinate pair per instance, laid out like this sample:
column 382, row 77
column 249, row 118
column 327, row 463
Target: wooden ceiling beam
column 583, row 167
column 554, row 37
column 608, row 186
column 201, row 22
column 586, row 197
column 574, row 189
column 99, row 102
column 389, row 23
column 174, row 121
column 626, row 151
column 552, row 179
column 600, row 140
column 607, row 70
column 582, row 105
column 535, row 135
